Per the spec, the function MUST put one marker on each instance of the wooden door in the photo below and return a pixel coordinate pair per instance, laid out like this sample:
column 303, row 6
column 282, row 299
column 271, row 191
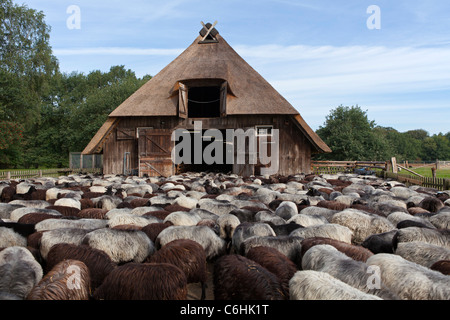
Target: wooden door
column 154, row 148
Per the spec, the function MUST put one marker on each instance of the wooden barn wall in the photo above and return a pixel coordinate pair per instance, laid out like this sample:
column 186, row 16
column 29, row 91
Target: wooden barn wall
column 295, row 149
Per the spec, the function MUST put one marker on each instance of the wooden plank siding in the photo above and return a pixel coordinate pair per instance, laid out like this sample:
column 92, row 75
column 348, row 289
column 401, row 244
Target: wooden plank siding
column 294, row 148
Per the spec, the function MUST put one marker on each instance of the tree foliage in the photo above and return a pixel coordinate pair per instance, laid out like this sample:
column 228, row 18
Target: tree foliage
column 352, row 136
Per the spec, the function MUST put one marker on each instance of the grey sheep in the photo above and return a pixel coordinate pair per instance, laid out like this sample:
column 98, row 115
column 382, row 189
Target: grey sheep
column 19, row 272
column 409, row 280
column 328, row 259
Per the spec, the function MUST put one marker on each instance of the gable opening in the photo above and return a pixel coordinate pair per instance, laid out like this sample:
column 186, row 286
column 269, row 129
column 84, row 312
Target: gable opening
column 204, row 102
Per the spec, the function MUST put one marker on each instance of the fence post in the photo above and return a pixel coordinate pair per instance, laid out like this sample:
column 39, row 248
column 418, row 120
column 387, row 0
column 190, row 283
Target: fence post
column 8, row 175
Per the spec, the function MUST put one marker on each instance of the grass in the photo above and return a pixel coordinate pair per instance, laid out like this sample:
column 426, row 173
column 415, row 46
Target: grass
column 426, row 172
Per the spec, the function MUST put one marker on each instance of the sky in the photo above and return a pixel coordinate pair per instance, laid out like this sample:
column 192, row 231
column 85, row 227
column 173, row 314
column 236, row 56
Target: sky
column 389, row 57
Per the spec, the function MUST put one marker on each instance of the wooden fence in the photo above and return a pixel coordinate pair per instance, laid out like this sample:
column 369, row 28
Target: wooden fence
column 429, row 182
column 333, row 167
column 382, row 169
column 37, row 173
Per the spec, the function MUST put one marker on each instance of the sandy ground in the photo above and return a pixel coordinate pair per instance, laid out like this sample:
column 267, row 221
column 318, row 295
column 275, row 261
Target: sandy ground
column 195, row 289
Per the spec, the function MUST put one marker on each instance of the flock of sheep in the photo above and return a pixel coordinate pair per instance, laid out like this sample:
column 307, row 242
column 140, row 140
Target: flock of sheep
column 299, row 237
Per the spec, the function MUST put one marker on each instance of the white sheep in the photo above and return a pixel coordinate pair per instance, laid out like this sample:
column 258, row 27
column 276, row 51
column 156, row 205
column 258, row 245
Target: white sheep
column 121, row 245
column 317, row 285
column 329, row 230
column 362, row 224
column 214, row 245
column 409, row 280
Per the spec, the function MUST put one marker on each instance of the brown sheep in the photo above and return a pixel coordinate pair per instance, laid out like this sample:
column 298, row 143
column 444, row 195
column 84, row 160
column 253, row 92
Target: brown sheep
column 68, row 280
column 152, row 230
column 98, row 262
column 187, row 255
column 443, row 266
column 143, row 281
column 93, row 213
column 275, row 262
column 239, row 278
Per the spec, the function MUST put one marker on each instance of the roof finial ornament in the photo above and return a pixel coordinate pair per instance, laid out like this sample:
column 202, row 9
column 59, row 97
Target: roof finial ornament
column 208, row 32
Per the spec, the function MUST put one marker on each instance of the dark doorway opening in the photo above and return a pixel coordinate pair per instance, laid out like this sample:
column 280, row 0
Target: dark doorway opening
column 204, row 102
column 219, row 166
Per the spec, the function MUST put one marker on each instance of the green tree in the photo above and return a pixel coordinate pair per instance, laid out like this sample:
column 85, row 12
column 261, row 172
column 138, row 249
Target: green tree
column 26, row 69
column 351, row 136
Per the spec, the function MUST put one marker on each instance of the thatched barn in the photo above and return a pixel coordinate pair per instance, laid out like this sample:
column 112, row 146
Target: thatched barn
column 211, row 86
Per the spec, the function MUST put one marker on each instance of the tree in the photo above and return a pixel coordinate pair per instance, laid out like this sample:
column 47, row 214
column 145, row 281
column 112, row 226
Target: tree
column 351, row 136
column 26, row 68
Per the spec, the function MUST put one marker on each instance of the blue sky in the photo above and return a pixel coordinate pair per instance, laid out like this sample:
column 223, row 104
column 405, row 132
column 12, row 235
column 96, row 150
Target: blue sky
column 318, row 54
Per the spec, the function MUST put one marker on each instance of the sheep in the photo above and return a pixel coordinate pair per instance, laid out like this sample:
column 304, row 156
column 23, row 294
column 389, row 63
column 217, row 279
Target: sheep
column 307, row 220
column 290, row 246
column 439, row 237
column 246, row 230
column 441, row 220
column 329, row 230
column 68, row 202
column 87, row 224
column 275, row 262
column 326, row 258
column 152, row 230
column 187, row 255
column 422, row 253
column 286, row 210
column 10, row 238
column 63, row 235
column 239, row 278
column 317, row 285
column 362, row 225
column 120, row 245
column 284, row 229
column 182, row 218
column 431, row 204
column 6, row 209
column 19, row 271
column 213, row 245
column 380, row 243
column 130, row 219
column 409, row 280
column 92, row 213
column 357, row 253
column 98, row 262
column 68, row 280
column 318, row 211
column 216, row 206
column 396, row 217
column 442, row 266
column 21, row 228
column 143, row 281
column 65, row 210
column 20, row 212
column 227, row 225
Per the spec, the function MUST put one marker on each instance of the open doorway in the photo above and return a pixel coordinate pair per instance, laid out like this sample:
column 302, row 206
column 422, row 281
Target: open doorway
column 219, row 166
column 204, row 102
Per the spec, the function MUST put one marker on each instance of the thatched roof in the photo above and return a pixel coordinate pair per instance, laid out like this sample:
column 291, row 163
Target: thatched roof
column 250, row 92
column 247, row 91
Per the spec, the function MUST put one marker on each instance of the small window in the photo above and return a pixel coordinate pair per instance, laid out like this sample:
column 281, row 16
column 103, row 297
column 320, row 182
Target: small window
column 263, row 130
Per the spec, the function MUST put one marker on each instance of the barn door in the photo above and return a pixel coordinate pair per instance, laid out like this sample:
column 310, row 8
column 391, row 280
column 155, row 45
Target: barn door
column 248, row 153
column 155, row 147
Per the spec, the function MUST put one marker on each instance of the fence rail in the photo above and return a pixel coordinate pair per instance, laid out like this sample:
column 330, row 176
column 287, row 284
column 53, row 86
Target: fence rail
column 37, row 173
column 383, row 170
